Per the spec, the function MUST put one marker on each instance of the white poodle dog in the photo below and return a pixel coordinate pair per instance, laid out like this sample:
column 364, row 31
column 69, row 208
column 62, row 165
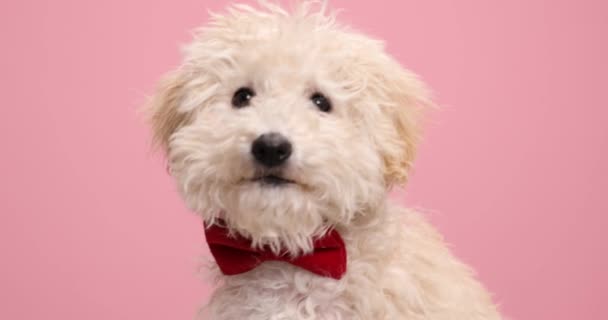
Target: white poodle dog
column 286, row 131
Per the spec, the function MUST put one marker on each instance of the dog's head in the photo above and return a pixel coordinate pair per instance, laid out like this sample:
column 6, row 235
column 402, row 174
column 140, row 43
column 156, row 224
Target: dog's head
column 285, row 124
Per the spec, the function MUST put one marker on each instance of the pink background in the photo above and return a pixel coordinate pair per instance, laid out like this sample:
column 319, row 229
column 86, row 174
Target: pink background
column 513, row 168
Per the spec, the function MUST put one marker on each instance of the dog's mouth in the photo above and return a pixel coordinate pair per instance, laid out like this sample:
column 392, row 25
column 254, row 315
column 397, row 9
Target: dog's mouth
column 272, row 180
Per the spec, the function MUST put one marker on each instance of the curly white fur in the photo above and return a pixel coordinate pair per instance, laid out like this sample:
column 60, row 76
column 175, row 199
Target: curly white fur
column 344, row 164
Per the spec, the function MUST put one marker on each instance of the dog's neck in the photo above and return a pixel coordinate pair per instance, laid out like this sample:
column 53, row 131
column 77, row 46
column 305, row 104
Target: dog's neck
column 365, row 234
column 369, row 230
column 369, row 239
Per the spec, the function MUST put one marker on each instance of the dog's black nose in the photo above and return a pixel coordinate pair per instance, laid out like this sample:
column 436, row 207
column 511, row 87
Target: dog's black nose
column 271, row 149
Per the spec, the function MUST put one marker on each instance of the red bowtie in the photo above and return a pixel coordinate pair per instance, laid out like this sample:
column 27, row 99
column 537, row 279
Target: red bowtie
column 234, row 254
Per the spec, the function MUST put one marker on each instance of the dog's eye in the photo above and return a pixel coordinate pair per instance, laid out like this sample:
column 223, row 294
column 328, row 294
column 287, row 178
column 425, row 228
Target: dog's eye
column 242, row 97
column 321, row 102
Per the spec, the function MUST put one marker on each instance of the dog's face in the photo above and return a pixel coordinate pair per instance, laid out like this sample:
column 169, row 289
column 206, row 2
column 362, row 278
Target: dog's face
column 284, row 125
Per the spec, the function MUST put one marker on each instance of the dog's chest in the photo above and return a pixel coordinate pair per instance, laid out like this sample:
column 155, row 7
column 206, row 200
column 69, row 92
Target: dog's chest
column 279, row 291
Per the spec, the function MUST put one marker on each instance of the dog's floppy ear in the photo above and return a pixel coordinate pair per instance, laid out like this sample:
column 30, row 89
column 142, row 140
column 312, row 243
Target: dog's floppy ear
column 162, row 109
column 406, row 97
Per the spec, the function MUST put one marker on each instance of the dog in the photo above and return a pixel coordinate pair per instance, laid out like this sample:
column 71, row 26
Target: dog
column 285, row 131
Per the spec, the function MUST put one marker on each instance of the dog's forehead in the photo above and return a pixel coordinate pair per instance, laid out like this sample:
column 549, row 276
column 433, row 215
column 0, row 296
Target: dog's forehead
column 283, row 52
column 298, row 59
column 287, row 65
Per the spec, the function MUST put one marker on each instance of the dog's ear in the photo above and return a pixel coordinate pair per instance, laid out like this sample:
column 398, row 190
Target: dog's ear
column 406, row 98
column 162, row 110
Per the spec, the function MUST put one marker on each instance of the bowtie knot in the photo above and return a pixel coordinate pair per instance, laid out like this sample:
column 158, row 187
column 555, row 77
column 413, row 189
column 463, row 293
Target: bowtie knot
column 234, row 254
